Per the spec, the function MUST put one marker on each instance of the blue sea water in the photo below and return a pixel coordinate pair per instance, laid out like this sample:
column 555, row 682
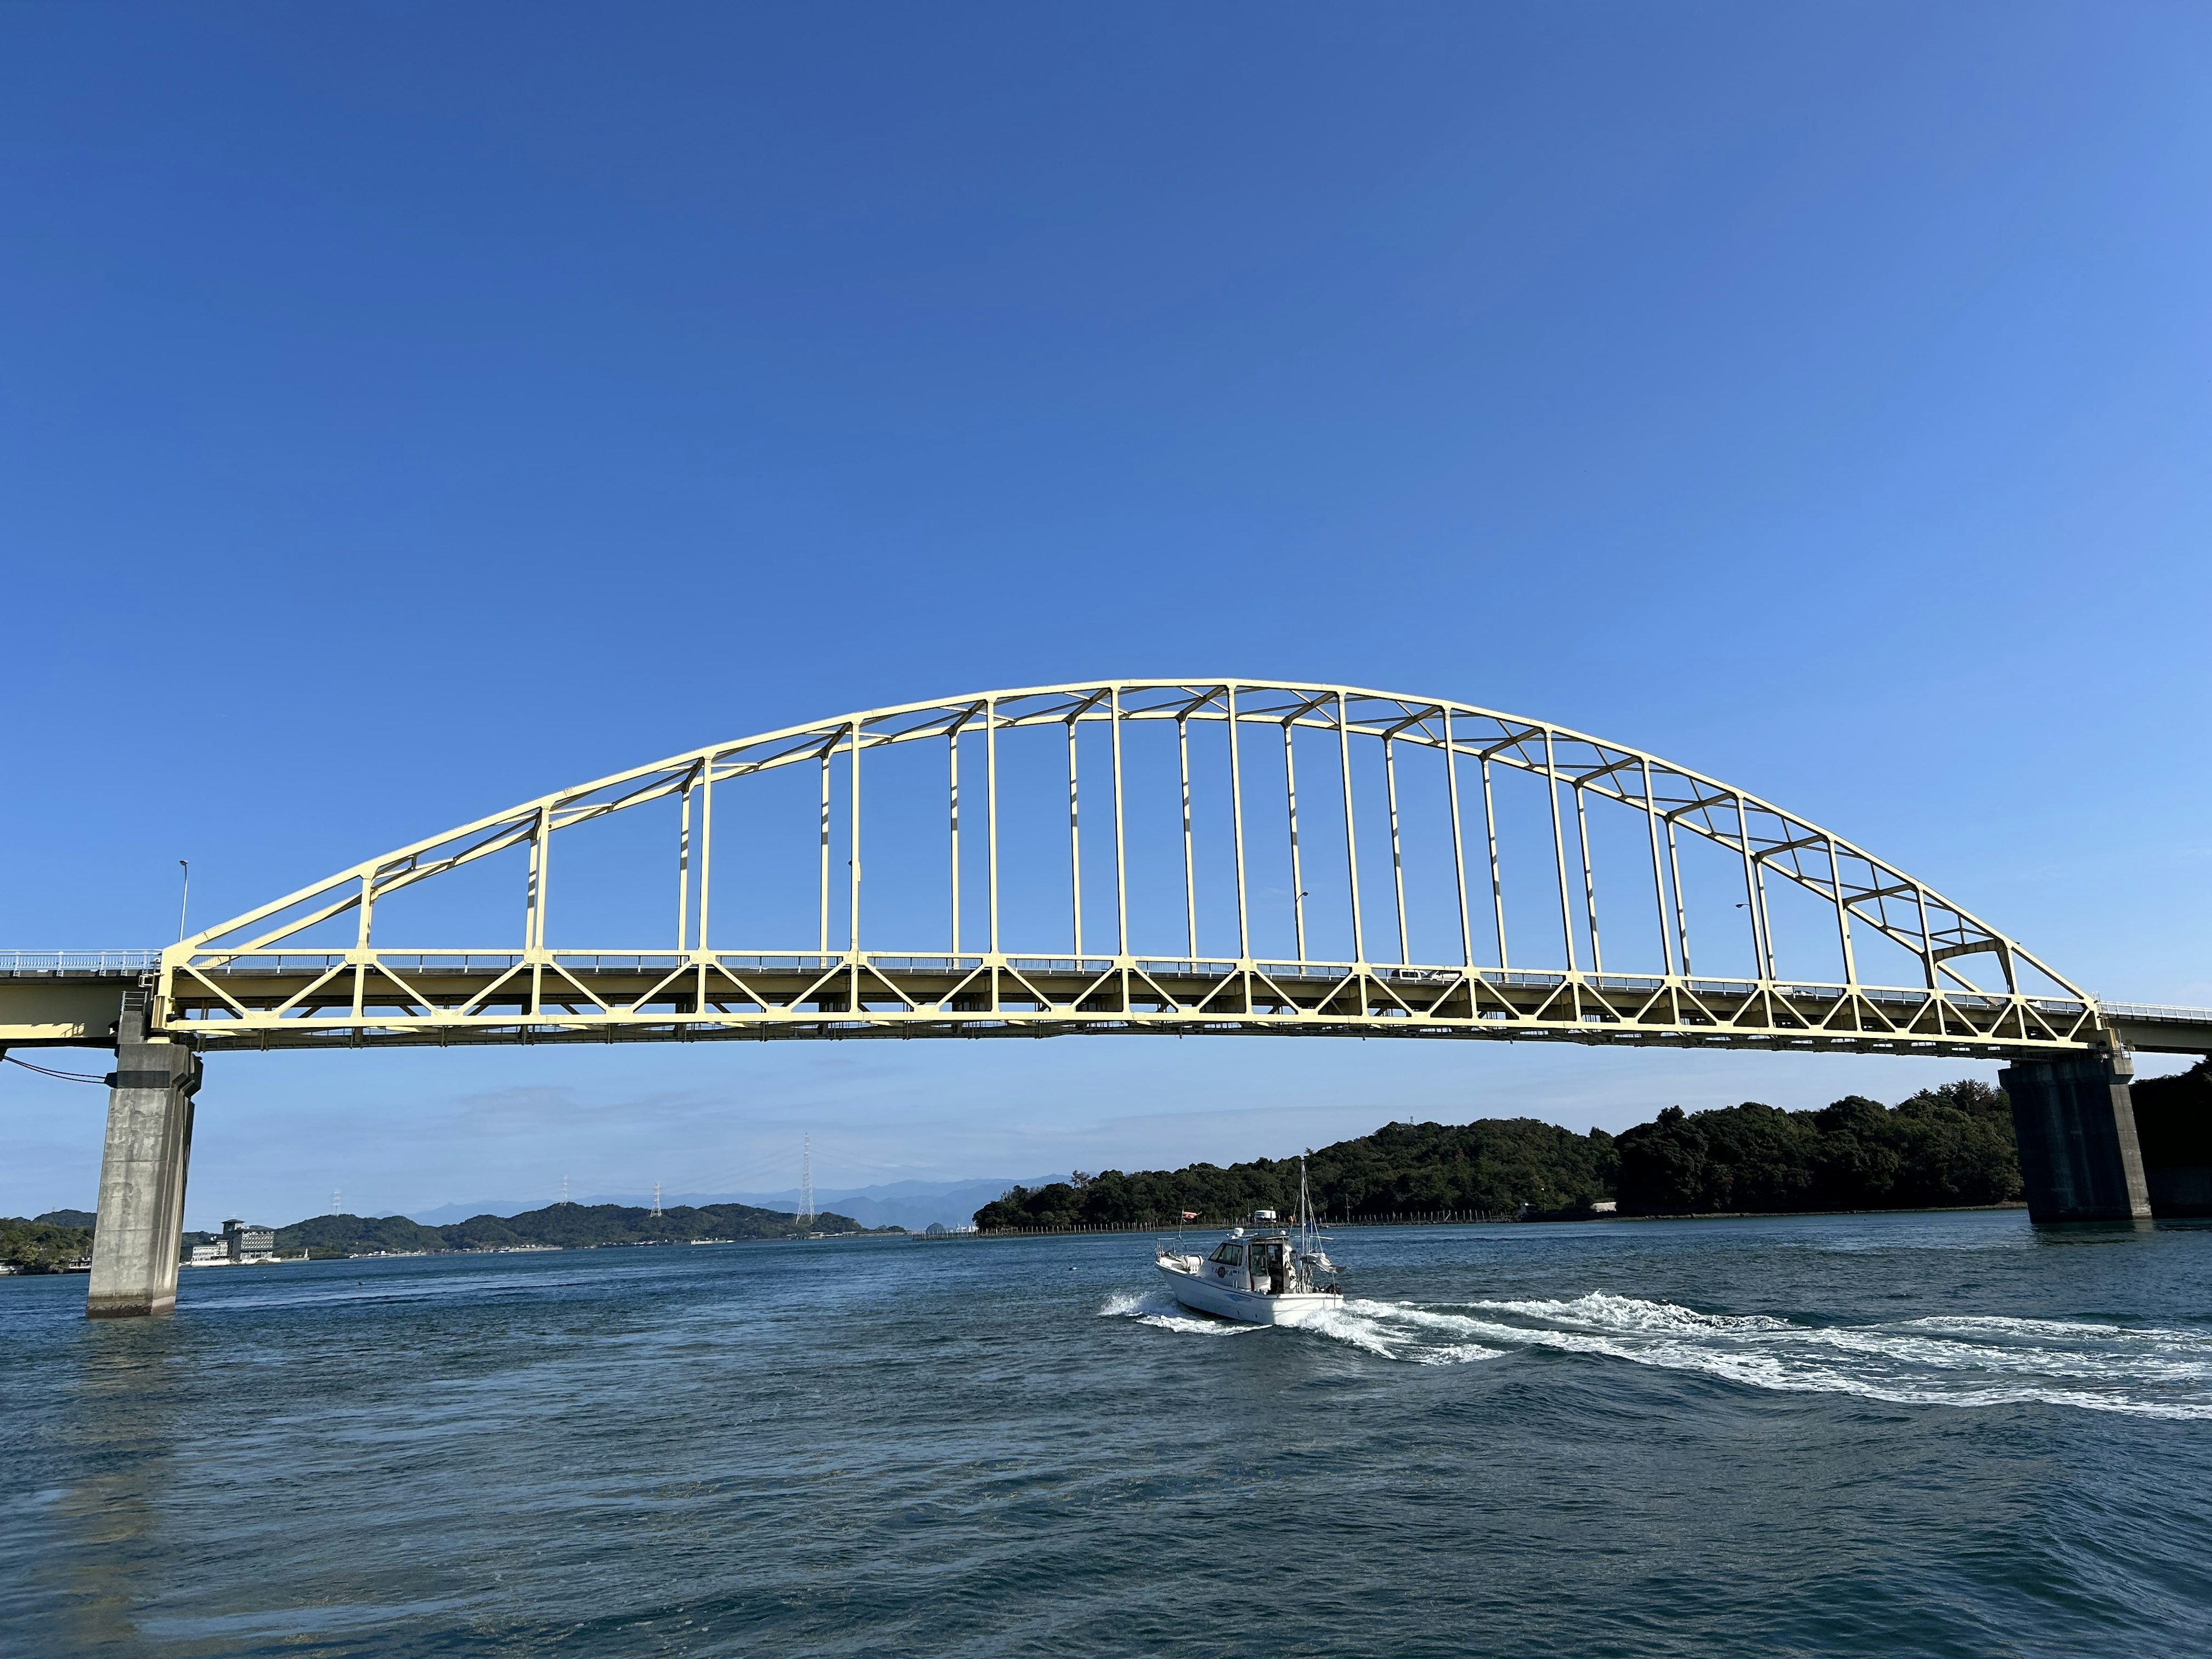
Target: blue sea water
column 1933, row 1434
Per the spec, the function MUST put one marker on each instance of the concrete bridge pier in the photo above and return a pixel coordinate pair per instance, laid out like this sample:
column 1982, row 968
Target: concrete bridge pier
column 2079, row 1155
column 142, row 1175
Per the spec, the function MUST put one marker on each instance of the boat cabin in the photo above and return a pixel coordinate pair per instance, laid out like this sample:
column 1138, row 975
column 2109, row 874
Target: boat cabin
column 1260, row 1264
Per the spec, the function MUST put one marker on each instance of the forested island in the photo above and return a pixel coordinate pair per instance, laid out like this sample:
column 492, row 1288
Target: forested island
column 1942, row 1147
column 49, row 1244
column 53, row 1241
column 558, row 1226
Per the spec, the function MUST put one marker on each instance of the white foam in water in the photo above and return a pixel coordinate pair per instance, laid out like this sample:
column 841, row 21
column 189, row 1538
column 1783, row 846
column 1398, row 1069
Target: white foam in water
column 1960, row 1359
column 1355, row 1323
column 1351, row 1324
column 1626, row 1313
column 1160, row 1309
column 1953, row 1360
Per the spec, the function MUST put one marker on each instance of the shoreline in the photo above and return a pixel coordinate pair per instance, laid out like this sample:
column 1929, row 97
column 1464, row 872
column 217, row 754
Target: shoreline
column 1493, row 1219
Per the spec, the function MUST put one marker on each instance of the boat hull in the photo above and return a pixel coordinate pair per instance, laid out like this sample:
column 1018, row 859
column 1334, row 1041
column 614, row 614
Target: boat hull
column 1247, row 1307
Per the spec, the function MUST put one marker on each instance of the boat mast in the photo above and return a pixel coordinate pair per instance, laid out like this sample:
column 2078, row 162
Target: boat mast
column 1309, row 1239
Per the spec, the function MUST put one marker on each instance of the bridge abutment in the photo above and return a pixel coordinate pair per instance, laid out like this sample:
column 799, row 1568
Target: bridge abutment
column 142, row 1176
column 2079, row 1155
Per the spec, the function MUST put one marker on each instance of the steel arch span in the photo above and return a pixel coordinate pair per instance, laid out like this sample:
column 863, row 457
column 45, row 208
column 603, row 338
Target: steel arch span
column 1145, row 855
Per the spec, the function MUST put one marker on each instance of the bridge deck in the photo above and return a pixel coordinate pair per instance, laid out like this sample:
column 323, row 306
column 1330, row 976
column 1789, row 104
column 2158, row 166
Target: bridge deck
column 328, row 1000
column 63, row 1006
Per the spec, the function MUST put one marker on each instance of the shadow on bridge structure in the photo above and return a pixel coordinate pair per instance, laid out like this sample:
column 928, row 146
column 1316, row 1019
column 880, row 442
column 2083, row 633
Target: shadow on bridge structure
column 1144, row 856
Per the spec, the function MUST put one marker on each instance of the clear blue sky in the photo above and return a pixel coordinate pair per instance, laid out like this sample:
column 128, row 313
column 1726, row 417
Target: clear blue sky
column 408, row 408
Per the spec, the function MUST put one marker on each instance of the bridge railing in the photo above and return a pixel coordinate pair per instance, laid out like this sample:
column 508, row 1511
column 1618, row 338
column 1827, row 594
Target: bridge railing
column 78, row 961
column 2158, row 1012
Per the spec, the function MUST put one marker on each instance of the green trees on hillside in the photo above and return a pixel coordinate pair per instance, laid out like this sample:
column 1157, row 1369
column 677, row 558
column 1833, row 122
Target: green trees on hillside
column 561, row 1226
column 357, row 1234
column 41, row 1246
column 1943, row 1146
column 1947, row 1146
column 1493, row 1163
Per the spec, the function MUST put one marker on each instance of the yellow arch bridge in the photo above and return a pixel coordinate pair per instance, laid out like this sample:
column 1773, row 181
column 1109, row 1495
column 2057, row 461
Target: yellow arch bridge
column 1218, row 856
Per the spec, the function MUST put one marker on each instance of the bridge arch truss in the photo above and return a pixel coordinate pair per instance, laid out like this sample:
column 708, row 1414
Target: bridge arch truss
column 1442, row 874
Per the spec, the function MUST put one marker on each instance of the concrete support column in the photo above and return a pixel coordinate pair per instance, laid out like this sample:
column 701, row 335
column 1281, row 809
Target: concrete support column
column 142, row 1176
column 2079, row 1156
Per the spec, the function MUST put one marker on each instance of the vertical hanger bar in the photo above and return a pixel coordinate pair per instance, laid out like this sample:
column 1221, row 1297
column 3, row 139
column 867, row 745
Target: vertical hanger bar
column 706, row 846
column 360, row 967
column 1496, row 883
column 1237, row 827
column 1558, row 851
column 529, row 889
column 822, row 939
column 1397, row 856
column 852, row 842
column 1459, row 854
column 539, row 892
column 1120, row 861
column 1074, row 843
column 1927, row 939
column 1297, row 877
column 991, row 818
column 1682, row 906
column 1750, row 892
column 952, row 766
column 1761, row 958
column 1658, row 881
column 684, row 871
column 1843, row 915
column 1189, row 887
column 545, row 877
column 1590, row 883
column 1765, row 923
column 1350, row 840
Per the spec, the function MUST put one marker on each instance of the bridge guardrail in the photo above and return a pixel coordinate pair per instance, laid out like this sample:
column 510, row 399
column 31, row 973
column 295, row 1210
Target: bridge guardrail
column 78, row 961
column 2158, row 1012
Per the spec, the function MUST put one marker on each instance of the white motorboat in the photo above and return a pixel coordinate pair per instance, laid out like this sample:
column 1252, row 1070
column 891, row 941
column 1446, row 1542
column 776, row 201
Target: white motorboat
column 1268, row 1275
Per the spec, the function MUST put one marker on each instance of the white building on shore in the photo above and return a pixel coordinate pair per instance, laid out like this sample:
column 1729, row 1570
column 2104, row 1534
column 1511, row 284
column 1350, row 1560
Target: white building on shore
column 240, row 1245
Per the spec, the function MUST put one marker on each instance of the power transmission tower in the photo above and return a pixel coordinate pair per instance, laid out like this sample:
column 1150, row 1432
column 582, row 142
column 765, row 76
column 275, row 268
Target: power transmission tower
column 564, row 1189
column 337, row 1207
column 656, row 1199
column 807, row 1180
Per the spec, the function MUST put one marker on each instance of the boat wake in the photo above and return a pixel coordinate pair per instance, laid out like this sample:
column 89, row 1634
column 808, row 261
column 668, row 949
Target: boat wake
column 1160, row 1309
column 1962, row 1360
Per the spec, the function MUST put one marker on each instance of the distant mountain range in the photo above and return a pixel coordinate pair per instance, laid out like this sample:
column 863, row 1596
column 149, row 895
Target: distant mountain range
column 909, row 1204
